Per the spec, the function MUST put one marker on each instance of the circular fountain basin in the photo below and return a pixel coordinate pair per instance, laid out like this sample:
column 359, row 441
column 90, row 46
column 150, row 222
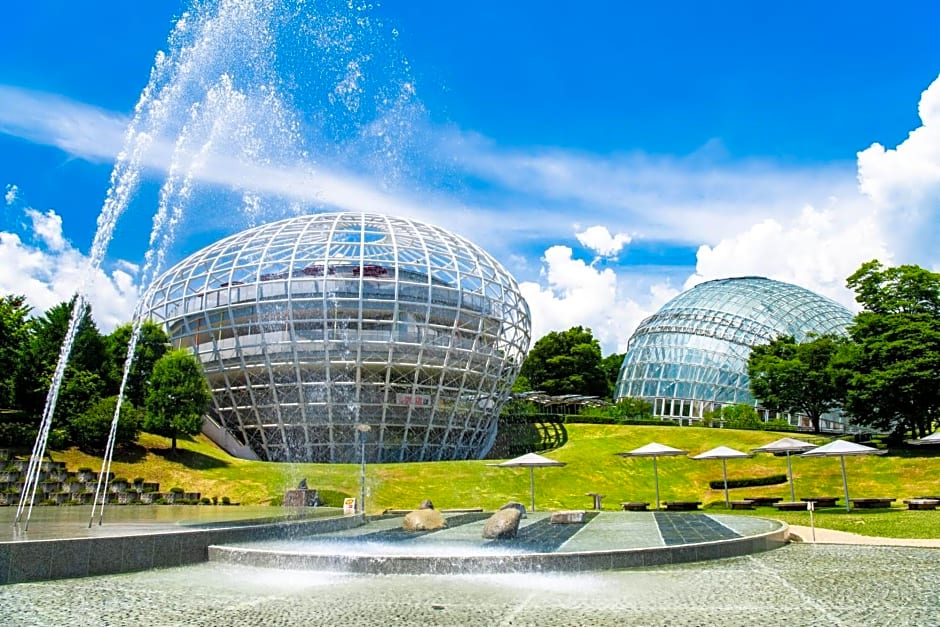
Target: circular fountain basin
column 607, row 541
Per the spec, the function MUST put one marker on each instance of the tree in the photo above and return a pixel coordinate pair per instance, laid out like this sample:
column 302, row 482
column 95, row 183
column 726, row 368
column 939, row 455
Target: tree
column 610, row 365
column 177, row 396
column 35, row 370
column 796, row 378
column 14, row 336
column 567, row 362
column 90, row 430
column 891, row 370
column 152, row 344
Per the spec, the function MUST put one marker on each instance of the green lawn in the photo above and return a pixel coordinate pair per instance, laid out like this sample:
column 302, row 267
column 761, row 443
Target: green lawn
column 592, row 466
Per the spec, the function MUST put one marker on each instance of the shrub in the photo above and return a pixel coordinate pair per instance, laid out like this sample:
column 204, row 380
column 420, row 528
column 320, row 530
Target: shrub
column 177, row 490
column 205, row 500
column 748, row 483
column 778, row 424
column 85, row 469
column 226, row 500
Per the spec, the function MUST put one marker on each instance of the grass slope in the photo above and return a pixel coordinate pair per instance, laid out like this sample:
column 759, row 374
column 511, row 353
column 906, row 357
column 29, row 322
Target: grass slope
column 592, row 466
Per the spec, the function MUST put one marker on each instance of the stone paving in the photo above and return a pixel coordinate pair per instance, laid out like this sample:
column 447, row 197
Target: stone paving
column 801, row 584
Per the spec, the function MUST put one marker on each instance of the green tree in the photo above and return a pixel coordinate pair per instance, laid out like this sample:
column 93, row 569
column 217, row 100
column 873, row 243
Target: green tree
column 890, row 371
column 79, row 392
column 14, row 337
column 566, row 362
column 796, row 378
column 610, row 365
column 35, row 370
column 90, row 429
column 177, row 396
column 152, row 344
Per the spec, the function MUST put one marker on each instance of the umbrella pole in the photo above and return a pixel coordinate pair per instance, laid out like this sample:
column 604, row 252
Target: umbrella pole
column 790, row 477
column 656, row 480
column 532, row 485
column 845, row 484
column 724, row 473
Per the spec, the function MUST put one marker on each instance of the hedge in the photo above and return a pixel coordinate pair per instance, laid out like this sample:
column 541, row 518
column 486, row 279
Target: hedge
column 748, row 483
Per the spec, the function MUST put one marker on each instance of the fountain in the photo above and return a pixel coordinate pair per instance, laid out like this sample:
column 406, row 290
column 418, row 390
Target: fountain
column 223, row 110
column 225, row 102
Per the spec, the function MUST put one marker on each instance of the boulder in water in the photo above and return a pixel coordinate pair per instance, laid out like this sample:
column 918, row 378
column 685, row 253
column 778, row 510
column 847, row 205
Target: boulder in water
column 423, row 520
column 502, row 524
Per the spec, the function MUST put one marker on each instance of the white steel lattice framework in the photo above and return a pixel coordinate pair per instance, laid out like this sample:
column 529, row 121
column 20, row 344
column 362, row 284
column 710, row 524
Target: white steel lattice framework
column 691, row 356
column 311, row 326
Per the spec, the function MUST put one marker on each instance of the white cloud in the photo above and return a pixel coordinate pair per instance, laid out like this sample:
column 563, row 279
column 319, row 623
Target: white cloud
column 904, row 183
column 48, row 227
column 11, row 194
column 50, row 271
column 817, row 250
column 599, row 239
column 577, row 294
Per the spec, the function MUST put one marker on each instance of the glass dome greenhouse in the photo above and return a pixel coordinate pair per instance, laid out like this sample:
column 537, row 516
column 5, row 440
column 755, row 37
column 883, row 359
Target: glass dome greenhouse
column 691, row 356
column 326, row 332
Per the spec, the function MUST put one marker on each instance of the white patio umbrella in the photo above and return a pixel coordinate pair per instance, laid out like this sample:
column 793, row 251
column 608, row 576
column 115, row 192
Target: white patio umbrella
column 530, row 461
column 724, row 453
column 840, row 449
column 786, row 445
column 654, row 450
column 933, row 438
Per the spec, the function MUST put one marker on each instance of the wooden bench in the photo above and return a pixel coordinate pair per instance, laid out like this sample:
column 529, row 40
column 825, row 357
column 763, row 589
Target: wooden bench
column 922, row 503
column 597, row 499
column 681, row 506
column 821, row 501
column 634, row 506
column 745, row 504
column 790, row 505
column 763, row 501
column 871, row 503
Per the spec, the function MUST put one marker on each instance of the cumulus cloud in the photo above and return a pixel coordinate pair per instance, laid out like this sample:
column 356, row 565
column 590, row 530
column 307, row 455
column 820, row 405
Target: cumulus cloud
column 41, row 265
column 10, row 195
column 904, row 182
column 48, row 227
column 817, row 250
column 599, row 239
column 574, row 293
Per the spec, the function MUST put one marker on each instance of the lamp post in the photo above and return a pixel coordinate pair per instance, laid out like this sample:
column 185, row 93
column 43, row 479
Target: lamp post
column 362, row 430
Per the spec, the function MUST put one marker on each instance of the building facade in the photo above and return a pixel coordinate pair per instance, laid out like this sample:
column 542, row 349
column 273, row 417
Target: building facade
column 329, row 337
column 691, row 356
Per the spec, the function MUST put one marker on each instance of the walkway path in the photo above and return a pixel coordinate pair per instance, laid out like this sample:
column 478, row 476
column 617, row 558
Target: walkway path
column 830, row 536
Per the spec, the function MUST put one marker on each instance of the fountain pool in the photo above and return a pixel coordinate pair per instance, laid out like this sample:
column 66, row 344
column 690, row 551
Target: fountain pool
column 608, row 540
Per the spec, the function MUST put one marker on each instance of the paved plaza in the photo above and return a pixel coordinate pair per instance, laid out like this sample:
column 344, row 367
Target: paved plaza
column 800, row 584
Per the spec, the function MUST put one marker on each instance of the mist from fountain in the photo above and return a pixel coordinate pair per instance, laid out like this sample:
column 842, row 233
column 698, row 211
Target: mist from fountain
column 246, row 86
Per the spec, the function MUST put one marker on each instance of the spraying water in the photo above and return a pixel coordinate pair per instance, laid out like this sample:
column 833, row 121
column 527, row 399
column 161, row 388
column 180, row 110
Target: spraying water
column 246, row 87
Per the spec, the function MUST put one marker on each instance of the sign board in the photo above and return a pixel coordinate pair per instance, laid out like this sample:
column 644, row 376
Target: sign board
column 349, row 505
column 418, row 400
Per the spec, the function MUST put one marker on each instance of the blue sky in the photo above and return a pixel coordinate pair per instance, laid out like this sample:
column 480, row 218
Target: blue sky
column 609, row 156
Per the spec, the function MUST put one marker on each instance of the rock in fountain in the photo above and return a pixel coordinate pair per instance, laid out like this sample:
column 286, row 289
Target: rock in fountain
column 503, row 524
column 423, row 520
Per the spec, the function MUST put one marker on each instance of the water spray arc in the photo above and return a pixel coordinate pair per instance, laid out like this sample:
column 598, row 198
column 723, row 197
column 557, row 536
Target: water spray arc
column 222, row 104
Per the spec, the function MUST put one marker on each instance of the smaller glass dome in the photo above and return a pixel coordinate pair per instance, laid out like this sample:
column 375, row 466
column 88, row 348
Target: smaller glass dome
column 691, row 356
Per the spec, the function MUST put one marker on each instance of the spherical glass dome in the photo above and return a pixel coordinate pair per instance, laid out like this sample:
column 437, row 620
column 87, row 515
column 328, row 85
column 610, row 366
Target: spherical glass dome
column 691, row 356
column 321, row 332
